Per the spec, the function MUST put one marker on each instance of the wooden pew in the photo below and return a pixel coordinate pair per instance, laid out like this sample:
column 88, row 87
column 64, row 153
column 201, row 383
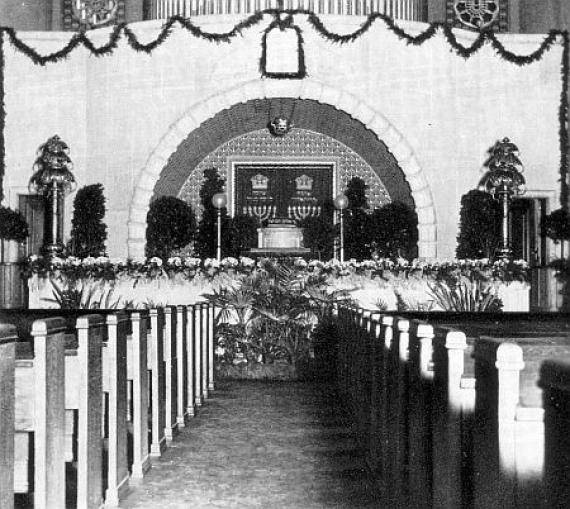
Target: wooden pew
column 40, row 408
column 555, row 383
column 157, row 382
column 8, row 338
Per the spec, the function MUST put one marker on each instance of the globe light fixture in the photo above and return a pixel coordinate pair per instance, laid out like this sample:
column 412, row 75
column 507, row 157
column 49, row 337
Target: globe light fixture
column 219, row 201
column 53, row 178
column 504, row 181
column 341, row 203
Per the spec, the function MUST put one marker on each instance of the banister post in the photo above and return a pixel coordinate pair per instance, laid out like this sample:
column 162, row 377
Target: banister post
column 204, row 348
column 8, row 338
column 190, row 368
column 181, row 366
column 158, row 381
column 116, row 358
column 49, row 420
column 90, row 331
column 198, row 354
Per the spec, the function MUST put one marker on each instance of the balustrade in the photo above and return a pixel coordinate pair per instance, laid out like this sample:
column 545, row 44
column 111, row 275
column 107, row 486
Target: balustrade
column 408, row 10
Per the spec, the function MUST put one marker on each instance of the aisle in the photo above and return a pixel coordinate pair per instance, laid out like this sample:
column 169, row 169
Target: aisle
column 260, row 445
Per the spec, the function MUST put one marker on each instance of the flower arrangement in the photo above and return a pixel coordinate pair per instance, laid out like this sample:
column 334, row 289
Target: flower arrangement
column 110, row 269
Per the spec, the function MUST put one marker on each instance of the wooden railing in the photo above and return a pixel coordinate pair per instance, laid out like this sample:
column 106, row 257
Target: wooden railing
column 449, row 420
column 137, row 376
column 409, row 10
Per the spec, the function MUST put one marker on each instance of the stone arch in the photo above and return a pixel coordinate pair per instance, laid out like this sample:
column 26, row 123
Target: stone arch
column 266, row 89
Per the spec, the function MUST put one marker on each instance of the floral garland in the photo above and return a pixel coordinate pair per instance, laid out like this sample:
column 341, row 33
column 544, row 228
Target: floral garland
column 81, row 39
column 188, row 268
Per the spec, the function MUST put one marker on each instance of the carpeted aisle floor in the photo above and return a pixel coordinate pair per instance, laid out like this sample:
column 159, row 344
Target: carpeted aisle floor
column 261, row 445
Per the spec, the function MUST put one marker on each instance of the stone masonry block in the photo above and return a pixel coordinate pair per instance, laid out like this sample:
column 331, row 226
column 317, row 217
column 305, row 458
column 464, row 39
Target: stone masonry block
column 187, row 123
column 427, row 250
column 200, row 112
column 157, row 161
column 378, row 124
column 417, row 182
column 147, row 181
column 402, row 151
column 427, row 232
column 391, row 137
column 330, row 95
column 135, row 248
column 311, row 90
column 410, row 166
column 235, row 96
column 426, row 215
column 253, row 90
column 138, row 215
column 347, row 103
column 364, row 113
column 142, row 198
column 423, row 198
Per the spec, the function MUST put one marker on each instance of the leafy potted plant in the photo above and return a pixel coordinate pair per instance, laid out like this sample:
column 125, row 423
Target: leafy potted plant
column 13, row 231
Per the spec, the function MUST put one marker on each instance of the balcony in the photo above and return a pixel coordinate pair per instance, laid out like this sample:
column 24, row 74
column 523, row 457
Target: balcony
column 401, row 10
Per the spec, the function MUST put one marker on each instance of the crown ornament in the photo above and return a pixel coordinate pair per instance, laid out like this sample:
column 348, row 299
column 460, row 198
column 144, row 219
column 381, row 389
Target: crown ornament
column 259, row 182
column 304, row 183
column 280, row 126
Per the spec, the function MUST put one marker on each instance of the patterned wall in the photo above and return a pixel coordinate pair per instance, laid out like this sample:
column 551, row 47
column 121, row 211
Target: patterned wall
column 298, row 144
column 72, row 22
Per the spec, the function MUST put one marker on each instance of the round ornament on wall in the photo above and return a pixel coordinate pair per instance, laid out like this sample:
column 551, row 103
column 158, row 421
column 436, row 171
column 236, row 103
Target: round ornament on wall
column 478, row 14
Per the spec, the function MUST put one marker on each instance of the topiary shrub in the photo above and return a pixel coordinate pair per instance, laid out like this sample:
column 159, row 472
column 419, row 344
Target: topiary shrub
column 242, row 234
column 170, row 226
column 479, row 226
column 206, row 236
column 556, row 225
column 393, row 231
column 356, row 235
column 319, row 234
column 13, row 225
column 88, row 231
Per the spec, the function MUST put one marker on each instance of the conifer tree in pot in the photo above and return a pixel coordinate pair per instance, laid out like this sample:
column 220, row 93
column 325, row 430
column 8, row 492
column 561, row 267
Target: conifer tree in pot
column 206, row 236
column 13, row 231
column 88, row 231
column 170, row 226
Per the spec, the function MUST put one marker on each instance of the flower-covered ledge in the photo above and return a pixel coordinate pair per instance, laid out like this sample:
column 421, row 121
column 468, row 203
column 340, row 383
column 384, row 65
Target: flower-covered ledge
column 387, row 285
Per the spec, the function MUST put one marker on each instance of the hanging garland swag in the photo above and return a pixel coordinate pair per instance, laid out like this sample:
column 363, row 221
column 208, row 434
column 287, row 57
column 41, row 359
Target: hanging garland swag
column 81, row 39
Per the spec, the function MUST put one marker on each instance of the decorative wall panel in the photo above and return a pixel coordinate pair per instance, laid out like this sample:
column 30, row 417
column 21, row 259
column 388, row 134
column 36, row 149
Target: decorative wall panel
column 299, row 144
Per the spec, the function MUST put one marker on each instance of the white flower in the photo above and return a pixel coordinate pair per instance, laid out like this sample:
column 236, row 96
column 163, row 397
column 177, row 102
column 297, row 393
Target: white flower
column 230, row 261
column 139, row 260
column 247, row 262
column 191, row 262
column 102, row 260
column 88, row 261
column 175, row 260
column 33, row 258
column 211, row 263
column 300, row 262
column 156, row 260
column 57, row 261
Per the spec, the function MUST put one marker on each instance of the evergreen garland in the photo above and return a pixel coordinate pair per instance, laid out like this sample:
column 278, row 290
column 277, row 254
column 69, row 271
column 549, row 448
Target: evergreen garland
column 88, row 231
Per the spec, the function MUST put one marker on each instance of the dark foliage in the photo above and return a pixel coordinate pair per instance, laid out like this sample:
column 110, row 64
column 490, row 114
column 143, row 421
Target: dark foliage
column 206, row 236
column 242, row 235
column 356, row 238
column 319, row 234
column 13, row 226
column 556, row 225
column 393, row 231
column 479, row 226
column 170, row 226
column 88, row 231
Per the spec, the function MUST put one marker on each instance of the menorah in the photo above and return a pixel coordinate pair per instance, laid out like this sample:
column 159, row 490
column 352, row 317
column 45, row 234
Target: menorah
column 302, row 211
column 260, row 211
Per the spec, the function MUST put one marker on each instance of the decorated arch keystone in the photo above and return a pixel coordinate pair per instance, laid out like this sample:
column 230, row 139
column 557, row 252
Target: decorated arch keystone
column 305, row 89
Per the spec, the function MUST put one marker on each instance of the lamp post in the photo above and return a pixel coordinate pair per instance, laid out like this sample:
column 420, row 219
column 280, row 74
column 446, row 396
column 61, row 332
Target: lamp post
column 53, row 179
column 503, row 181
column 340, row 203
column 219, row 201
